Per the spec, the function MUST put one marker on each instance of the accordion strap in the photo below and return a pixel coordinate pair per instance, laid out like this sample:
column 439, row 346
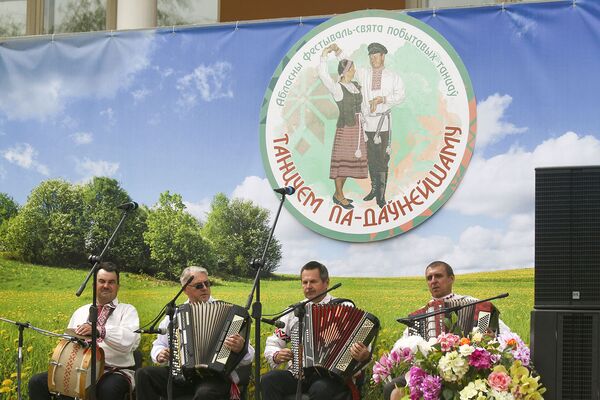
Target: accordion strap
column 340, row 300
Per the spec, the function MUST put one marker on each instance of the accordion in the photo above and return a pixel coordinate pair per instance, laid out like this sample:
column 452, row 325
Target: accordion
column 480, row 316
column 329, row 332
column 200, row 332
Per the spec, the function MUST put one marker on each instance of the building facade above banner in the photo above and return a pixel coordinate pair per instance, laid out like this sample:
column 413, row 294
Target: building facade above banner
column 371, row 117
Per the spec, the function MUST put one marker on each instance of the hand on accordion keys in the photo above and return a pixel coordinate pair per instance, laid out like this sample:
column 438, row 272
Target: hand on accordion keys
column 163, row 356
column 282, row 356
column 360, row 352
column 234, row 343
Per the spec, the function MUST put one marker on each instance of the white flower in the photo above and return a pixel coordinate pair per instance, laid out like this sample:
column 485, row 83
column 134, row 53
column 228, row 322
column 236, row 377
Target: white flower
column 466, row 350
column 495, row 395
column 477, row 336
column 452, row 366
column 413, row 343
column 474, row 390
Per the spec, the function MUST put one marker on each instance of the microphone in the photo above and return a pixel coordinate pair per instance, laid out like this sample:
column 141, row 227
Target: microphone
column 159, row 331
column 289, row 190
column 132, row 205
column 277, row 323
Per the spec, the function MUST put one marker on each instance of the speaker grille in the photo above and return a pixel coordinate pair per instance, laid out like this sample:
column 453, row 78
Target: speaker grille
column 585, row 241
column 577, row 356
column 552, row 237
column 567, row 237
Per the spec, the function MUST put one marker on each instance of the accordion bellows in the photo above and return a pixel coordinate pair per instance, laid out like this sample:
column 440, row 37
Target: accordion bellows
column 329, row 332
column 481, row 316
column 201, row 329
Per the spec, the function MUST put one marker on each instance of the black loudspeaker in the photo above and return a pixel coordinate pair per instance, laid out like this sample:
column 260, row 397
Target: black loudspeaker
column 567, row 238
column 565, row 350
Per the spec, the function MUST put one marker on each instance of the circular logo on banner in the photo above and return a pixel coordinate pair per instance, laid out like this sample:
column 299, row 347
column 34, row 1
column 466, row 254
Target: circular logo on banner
column 371, row 118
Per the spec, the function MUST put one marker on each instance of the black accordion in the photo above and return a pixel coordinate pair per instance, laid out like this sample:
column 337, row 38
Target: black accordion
column 200, row 332
column 480, row 316
column 329, row 332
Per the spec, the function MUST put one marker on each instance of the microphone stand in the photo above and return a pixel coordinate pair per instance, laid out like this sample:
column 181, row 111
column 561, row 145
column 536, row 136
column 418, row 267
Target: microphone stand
column 95, row 260
column 410, row 321
column 257, row 306
column 169, row 310
column 22, row 326
column 300, row 311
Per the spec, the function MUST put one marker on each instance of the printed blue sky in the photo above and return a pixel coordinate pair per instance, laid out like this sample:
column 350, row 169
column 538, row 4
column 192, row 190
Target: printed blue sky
column 179, row 111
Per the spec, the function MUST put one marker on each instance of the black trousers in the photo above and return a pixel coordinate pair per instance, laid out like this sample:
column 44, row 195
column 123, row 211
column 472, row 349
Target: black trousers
column 377, row 157
column 151, row 384
column 110, row 387
column 277, row 384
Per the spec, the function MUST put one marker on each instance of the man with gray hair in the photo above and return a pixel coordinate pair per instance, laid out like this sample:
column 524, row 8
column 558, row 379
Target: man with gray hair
column 152, row 381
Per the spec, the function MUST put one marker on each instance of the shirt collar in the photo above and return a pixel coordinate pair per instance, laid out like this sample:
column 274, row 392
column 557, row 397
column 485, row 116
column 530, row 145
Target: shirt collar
column 113, row 304
column 446, row 297
column 210, row 300
column 325, row 300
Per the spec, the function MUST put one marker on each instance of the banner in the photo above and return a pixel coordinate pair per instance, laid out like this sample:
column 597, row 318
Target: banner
column 195, row 111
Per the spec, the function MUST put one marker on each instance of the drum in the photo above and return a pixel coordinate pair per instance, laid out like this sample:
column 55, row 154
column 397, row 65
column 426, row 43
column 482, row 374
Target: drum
column 69, row 369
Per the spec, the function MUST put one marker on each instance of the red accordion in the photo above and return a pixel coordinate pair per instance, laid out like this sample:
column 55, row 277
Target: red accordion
column 481, row 316
column 329, row 332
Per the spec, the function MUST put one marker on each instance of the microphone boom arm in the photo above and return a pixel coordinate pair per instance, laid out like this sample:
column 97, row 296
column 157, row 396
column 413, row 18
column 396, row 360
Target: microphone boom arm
column 445, row 310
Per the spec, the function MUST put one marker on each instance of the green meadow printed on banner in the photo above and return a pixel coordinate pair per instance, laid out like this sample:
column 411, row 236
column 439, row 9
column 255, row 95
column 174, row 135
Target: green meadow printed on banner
column 371, row 117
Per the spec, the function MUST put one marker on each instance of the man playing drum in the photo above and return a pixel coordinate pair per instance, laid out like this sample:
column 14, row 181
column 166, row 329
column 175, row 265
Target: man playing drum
column 116, row 325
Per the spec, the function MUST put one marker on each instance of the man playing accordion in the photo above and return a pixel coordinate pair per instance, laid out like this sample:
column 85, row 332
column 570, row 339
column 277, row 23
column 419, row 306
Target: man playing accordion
column 152, row 381
column 277, row 383
column 440, row 278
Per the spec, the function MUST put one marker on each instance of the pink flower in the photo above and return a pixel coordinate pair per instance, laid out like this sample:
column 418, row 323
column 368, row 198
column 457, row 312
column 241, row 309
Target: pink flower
column 448, row 341
column 431, row 387
column 480, row 359
column 499, row 381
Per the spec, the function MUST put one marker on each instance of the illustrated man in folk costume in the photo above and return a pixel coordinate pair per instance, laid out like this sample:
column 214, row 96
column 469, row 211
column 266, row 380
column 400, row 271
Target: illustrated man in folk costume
column 382, row 89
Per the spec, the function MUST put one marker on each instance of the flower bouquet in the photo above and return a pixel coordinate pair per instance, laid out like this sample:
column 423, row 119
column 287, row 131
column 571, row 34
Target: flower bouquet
column 479, row 367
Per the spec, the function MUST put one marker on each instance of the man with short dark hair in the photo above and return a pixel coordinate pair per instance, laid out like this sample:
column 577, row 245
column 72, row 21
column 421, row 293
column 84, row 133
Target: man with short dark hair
column 152, row 381
column 440, row 279
column 116, row 325
column 277, row 384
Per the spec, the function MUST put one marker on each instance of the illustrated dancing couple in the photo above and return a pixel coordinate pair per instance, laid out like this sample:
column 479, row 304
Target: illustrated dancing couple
column 362, row 143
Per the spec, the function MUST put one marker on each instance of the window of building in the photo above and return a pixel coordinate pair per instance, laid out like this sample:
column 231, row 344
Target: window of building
column 13, row 17
column 187, row 12
column 62, row 16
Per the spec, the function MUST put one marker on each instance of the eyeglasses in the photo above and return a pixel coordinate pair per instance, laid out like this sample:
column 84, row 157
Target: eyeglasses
column 201, row 285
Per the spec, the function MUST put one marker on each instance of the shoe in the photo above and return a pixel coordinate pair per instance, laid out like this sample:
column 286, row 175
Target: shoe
column 349, row 200
column 371, row 195
column 382, row 184
column 339, row 203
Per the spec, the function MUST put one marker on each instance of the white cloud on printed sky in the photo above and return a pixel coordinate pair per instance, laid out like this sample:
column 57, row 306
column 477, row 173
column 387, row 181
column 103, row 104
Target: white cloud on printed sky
column 45, row 93
column 25, row 156
column 80, row 138
column 206, row 82
column 88, row 168
column 491, row 123
column 198, row 210
column 503, row 185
